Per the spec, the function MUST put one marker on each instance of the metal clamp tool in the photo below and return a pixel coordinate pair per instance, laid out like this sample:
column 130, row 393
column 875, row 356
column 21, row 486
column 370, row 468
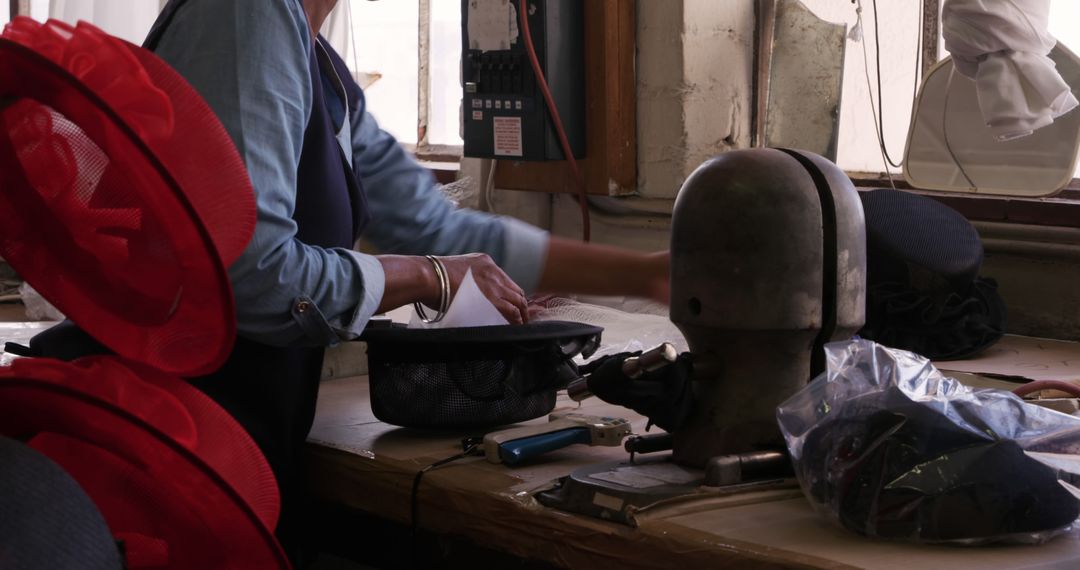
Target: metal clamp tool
column 633, row 367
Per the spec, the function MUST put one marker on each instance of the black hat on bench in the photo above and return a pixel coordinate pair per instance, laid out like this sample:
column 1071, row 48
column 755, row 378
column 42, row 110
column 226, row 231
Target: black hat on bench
column 924, row 293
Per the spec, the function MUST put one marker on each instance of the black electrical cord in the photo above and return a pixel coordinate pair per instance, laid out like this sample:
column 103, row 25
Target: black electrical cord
column 881, row 94
column 472, row 447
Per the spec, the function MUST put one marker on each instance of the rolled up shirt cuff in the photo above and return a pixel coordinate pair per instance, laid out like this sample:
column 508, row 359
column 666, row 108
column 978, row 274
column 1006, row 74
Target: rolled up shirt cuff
column 374, row 285
column 524, row 253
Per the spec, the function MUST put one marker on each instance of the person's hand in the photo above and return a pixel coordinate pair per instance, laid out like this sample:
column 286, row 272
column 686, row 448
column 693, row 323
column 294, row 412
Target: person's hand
column 411, row 278
column 495, row 284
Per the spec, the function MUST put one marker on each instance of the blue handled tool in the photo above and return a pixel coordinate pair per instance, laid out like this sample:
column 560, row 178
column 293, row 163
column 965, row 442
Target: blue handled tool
column 515, row 445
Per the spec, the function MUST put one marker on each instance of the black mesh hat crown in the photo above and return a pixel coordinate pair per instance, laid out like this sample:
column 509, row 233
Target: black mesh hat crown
column 472, row 377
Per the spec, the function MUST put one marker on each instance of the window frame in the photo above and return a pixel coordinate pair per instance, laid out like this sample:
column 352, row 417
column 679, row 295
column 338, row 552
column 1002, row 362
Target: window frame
column 423, row 149
column 1061, row 210
column 931, row 37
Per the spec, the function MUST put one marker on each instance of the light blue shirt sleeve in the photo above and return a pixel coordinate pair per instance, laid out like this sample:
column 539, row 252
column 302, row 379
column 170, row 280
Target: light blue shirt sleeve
column 409, row 215
column 249, row 61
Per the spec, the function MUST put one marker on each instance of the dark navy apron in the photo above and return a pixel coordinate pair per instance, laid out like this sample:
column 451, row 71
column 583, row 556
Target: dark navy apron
column 272, row 390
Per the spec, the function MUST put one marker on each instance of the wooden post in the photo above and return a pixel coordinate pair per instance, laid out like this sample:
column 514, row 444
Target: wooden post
column 423, row 89
column 764, row 32
column 931, row 32
column 610, row 163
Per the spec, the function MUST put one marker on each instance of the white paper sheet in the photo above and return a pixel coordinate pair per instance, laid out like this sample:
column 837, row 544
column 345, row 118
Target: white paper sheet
column 470, row 308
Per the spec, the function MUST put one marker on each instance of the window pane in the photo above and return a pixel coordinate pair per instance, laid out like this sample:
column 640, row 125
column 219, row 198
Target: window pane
column 39, row 10
column 858, row 147
column 1063, row 19
column 122, row 18
column 444, row 122
column 386, row 36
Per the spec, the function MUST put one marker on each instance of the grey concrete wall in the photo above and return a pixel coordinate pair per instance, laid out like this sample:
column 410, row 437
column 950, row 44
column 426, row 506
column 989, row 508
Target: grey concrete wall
column 694, row 64
column 694, row 98
column 1037, row 270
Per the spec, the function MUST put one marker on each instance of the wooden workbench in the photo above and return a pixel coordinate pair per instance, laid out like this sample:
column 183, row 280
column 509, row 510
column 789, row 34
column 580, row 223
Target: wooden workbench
column 362, row 464
column 365, row 466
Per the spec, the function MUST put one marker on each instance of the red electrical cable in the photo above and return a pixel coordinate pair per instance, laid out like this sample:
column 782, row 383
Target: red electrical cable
column 523, row 12
column 1069, row 388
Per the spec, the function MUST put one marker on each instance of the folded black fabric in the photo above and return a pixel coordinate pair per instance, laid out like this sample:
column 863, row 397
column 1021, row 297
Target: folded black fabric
column 952, row 326
column 65, row 341
column 904, row 470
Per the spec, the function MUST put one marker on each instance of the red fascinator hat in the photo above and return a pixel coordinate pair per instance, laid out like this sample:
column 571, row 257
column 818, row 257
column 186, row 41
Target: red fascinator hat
column 178, row 481
column 124, row 200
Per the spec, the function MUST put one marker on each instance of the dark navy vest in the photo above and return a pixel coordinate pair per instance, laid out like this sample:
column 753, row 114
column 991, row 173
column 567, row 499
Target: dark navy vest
column 331, row 207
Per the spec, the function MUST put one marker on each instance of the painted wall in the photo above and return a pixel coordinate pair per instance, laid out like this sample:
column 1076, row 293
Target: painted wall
column 694, row 65
column 694, row 60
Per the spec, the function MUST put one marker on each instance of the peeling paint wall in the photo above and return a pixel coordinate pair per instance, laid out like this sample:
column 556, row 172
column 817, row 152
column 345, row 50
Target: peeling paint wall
column 694, row 71
column 694, row 64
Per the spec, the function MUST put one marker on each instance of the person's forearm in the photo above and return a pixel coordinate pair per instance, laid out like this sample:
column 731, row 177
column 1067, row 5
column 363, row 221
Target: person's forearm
column 411, row 278
column 408, row 279
column 592, row 269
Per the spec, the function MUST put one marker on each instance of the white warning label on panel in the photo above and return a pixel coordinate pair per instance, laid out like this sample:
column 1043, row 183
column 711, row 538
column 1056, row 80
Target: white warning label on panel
column 507, row 136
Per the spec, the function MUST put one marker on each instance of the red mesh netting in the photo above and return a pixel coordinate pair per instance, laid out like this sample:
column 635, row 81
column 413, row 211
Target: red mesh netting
column 121, row 215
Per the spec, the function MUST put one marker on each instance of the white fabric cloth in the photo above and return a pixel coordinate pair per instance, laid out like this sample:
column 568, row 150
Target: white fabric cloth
column 1003, row 45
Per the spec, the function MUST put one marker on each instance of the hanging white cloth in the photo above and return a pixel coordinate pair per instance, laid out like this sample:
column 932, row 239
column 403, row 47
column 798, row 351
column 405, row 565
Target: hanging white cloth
column 1003, row 45
column 336, row 30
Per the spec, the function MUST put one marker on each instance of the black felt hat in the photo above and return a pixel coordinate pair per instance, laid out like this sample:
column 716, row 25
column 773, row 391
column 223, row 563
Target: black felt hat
column 473, row 377
column 924, row 292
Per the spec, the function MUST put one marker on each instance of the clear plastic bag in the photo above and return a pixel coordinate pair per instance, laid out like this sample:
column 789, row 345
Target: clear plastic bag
column 888, row 447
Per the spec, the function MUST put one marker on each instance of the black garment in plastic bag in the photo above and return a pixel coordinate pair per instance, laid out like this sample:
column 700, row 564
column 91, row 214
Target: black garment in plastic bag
column 888, row 447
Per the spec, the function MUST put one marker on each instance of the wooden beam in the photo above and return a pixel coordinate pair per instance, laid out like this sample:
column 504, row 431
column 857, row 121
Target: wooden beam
column 423, row 88
column 931, row 34
column 764, row 33
column 610, row 163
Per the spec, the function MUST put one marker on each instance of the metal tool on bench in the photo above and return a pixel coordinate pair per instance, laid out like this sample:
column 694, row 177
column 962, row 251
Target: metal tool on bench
column 633, row 367
column 768, row 263
column 512, row 446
